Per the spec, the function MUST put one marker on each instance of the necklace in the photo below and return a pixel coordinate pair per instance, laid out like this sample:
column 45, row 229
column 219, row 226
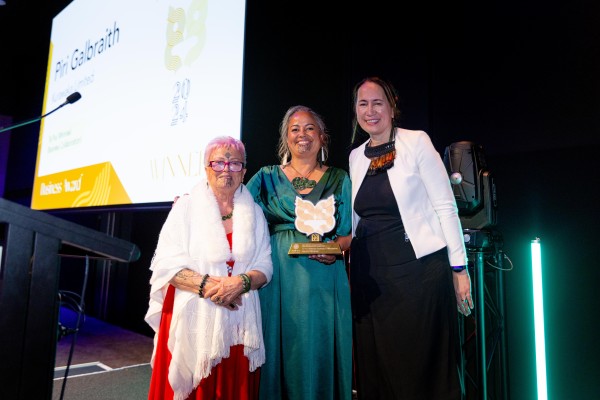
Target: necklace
column 302, row 182
column 382, row 156
column 226, row 217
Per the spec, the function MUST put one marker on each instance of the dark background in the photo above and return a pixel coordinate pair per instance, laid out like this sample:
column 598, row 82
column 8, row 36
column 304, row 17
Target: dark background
column 519, row 78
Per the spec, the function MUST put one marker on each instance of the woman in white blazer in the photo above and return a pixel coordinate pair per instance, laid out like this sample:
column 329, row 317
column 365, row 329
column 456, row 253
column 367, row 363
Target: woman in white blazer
column 408, row 257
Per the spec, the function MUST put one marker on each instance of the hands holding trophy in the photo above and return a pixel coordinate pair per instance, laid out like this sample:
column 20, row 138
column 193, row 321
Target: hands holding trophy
column 315, row 220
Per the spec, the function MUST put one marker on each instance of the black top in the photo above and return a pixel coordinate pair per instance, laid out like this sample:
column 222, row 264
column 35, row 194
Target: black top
column 376, row 205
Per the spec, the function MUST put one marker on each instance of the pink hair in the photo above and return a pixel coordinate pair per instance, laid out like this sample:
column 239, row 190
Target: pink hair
column 224, row 141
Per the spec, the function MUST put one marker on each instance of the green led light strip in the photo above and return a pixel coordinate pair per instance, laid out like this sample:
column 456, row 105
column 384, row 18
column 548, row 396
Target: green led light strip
column 538, row 313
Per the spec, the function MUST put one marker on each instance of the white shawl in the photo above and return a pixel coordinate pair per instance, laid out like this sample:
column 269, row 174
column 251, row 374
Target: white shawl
column 201, row 332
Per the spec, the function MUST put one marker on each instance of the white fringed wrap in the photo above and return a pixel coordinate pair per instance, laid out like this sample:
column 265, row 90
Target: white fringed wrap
column 201, row 332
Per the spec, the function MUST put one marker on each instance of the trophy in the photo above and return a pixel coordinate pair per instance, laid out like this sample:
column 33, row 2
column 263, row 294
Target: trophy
column 314, row 220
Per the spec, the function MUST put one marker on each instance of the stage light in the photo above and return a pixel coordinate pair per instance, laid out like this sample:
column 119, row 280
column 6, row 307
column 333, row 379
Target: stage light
column 538, row 313
column 472, row 184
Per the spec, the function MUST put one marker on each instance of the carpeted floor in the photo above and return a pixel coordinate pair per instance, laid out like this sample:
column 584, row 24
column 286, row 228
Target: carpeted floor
column 127, row 383
column 107, row 362
column 98, row 341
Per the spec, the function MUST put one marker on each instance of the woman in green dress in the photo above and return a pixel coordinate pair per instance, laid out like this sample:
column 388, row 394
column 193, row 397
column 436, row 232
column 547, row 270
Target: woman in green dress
column 306, row 311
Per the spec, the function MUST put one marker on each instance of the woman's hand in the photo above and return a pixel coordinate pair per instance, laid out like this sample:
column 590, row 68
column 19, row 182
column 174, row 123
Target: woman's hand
column 462, row 290
column 323, row 258
column 342, row 241
column 225, row 291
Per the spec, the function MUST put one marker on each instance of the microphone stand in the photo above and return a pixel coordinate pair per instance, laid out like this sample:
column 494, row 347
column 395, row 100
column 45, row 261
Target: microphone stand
column 71, row 99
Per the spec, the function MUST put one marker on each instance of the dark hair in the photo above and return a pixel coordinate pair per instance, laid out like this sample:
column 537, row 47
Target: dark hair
column 358, row 134
column 283, row 152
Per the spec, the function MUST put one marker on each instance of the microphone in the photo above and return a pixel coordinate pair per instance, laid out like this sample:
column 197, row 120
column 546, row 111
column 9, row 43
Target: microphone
column 72, row 98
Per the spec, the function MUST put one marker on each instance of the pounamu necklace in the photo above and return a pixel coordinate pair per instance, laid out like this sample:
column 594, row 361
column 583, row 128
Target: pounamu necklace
column 302, row 182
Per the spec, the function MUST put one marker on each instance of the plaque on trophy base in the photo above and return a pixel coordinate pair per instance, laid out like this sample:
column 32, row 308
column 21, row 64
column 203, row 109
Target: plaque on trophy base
column 314, row 221
column 315, row 246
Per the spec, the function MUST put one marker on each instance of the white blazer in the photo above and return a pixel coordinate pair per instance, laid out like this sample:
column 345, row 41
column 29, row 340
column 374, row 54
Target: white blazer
column 422, row 190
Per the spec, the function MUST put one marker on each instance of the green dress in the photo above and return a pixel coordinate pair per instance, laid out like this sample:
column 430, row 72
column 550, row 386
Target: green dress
column 306, row 315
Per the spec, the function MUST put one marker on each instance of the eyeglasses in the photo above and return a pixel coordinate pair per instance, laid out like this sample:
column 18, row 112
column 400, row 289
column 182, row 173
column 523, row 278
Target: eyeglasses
column 234, row 166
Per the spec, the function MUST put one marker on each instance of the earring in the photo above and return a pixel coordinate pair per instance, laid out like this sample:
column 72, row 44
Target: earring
column 322, row 154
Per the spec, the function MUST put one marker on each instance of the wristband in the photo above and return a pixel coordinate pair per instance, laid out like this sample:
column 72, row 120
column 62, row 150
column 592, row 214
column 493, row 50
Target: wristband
column 201, row 287
column 246, row 282
column 458, row 268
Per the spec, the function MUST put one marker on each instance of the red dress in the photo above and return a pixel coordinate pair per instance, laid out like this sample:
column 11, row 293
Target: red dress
column 231, row 379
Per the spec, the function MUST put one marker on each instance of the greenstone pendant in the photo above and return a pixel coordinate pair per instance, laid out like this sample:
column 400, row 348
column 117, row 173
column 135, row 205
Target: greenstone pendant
column 301, row 183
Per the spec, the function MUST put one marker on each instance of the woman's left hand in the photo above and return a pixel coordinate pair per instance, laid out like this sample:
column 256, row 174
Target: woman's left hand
column 226, row 291
column 462, row 291
column 323, row 258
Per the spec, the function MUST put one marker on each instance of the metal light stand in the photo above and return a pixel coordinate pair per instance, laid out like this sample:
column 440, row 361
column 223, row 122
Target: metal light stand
column 481, row 244
column 475, row 193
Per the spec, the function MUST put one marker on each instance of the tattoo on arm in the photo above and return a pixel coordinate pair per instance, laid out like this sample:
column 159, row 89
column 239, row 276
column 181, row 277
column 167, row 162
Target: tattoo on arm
column 185, row 273
column 186, row 279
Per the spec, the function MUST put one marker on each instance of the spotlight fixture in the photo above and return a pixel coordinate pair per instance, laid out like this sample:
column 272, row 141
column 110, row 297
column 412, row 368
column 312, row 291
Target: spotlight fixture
column 473, row 185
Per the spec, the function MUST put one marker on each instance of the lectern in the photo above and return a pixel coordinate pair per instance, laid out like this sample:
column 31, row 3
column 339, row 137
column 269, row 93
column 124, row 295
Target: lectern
column 29, row 277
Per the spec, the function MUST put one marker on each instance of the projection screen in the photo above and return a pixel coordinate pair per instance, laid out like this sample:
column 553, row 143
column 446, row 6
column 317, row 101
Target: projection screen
column 158, row 80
